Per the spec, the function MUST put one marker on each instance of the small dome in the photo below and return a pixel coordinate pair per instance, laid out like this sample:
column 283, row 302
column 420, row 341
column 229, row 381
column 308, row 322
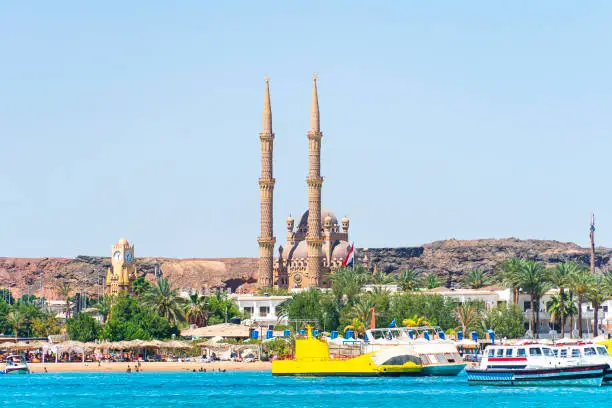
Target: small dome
column 299, row 251
column 303, row 225
column 345, row 220
column 290, row 219
column 340, row 250
column 123, row 243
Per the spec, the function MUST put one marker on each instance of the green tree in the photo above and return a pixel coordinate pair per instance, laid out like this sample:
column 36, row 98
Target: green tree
column 63, row 290
column 222, row 308
column 313, row 305
column 165, row 301
column 431, row 281
column 381, row 278
column 508, row 273
column 436, row 309
column 129, row 320
column 83, row 327
column 476, row 279
column 560, row 277
column 7, row 296
column 5, row 326
column 197, row 309
column 347, row 282
column 468, row 314
column 505, row 320
column 103, row 306
column 597, row 294
column 532, row 279
column 16, row 319
column 140, row 286
column 45, row 325
column 581, row 283
column 408, row 280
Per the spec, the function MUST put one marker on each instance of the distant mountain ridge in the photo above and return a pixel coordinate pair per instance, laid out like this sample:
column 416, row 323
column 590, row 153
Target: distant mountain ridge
column 449, row 259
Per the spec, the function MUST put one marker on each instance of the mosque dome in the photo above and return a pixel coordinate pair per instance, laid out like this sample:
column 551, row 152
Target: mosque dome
column 303, row 225
column 340, row 250
column 123, row 243
column 299, row 251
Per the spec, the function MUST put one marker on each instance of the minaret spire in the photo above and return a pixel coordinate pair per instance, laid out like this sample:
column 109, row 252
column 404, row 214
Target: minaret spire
column 315, row 123
column 266, row 238
column 314, row 182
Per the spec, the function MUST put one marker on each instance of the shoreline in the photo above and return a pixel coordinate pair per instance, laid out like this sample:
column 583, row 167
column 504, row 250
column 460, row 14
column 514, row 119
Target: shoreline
column 39, row 368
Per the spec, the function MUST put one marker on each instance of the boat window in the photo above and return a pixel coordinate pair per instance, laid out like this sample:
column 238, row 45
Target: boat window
column 401, row 360
column 548, row 352
column 509, row 352
column 535, row 351
column 556, row 352
column 575, row 352
column 491, row 352
column 500, row 353
column 521, row 353
column 602, row 351
column 589, row 351
column 563, row 353
column 441, row 358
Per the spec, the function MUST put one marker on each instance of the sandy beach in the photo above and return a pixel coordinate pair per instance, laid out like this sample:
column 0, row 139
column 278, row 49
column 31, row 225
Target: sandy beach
column 161, row 366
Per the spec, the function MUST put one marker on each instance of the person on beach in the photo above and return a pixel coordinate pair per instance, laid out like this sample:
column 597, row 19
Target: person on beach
column 129, row 369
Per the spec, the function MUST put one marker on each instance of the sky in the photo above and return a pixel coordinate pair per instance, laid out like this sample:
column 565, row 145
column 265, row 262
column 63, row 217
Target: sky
column 441, row 120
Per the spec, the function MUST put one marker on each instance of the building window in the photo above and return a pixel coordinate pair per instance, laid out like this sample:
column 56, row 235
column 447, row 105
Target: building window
column 526, row 306
column 605, row 309
column 264, row 311
column 248, row 310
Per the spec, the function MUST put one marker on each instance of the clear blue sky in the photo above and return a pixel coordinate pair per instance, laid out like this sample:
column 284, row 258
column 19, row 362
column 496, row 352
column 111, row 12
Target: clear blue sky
column 440, row 120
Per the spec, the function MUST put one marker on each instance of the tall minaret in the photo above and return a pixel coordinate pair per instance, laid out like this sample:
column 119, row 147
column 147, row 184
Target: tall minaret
column 266, row 239
column 314, row 182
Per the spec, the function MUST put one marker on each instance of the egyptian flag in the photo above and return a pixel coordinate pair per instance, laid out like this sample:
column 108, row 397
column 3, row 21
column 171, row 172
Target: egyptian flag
column 350, row 257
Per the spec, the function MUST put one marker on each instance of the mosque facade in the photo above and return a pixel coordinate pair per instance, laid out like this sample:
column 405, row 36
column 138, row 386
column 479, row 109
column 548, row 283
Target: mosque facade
column 319, row 244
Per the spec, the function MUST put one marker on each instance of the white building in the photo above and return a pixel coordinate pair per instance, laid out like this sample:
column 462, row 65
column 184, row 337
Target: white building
column 262, row 309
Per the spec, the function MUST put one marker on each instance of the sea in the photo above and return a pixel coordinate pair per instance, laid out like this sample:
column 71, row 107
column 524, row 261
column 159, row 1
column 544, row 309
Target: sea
column 260, row 389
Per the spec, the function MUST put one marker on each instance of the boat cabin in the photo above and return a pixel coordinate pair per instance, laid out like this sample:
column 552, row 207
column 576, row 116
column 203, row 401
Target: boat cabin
column 518, row 357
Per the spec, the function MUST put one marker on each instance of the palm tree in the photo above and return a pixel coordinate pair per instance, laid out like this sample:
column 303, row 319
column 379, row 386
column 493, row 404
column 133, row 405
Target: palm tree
column 164, row 300
column 408, row 280
column 559, row 308
column 476, row 279
column 16, row 319
column 466, row 314
column 140, row 286
column 559, row 276
column 347, row 282
column 581, row 282
column 415, row 321
column 357, row 326
column 63, row 290
column 532, row 279
column 508, row 271
column 361, row 309
column 597, row 294
column 103, row 306
column 432, row 281
column 381, row 278
column 197, row 309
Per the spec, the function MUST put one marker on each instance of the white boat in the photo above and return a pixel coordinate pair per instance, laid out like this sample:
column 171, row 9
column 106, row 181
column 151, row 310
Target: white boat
column 438, row 356
column 580, row 354
column 531, row 364
column 15, row 364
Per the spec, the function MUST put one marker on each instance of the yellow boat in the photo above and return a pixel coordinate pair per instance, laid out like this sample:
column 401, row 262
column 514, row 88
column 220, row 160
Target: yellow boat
column 312, row 359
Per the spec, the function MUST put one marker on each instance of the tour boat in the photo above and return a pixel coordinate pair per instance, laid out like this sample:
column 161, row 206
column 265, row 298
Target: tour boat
column 438, row 356
column 580, row 354
column 531, row 364
column 312, row 358
column 15, row 364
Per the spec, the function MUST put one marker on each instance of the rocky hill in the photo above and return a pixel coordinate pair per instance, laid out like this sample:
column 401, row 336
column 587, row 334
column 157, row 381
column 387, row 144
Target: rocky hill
column 449, row 259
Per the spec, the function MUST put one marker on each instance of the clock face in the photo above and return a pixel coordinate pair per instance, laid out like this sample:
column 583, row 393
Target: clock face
column 117, row 256
column 128, row 257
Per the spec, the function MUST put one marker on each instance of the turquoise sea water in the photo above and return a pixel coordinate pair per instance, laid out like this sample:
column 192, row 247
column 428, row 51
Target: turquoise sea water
column 260, row 389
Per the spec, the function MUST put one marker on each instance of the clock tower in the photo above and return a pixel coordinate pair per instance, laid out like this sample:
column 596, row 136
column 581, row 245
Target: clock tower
column 122, row 272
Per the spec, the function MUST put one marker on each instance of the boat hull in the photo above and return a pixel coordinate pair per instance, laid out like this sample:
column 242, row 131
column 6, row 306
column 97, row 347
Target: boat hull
column 362, row 366
column 442, row 370
column 607, row 379
column 567, row 376
column 14, row 371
